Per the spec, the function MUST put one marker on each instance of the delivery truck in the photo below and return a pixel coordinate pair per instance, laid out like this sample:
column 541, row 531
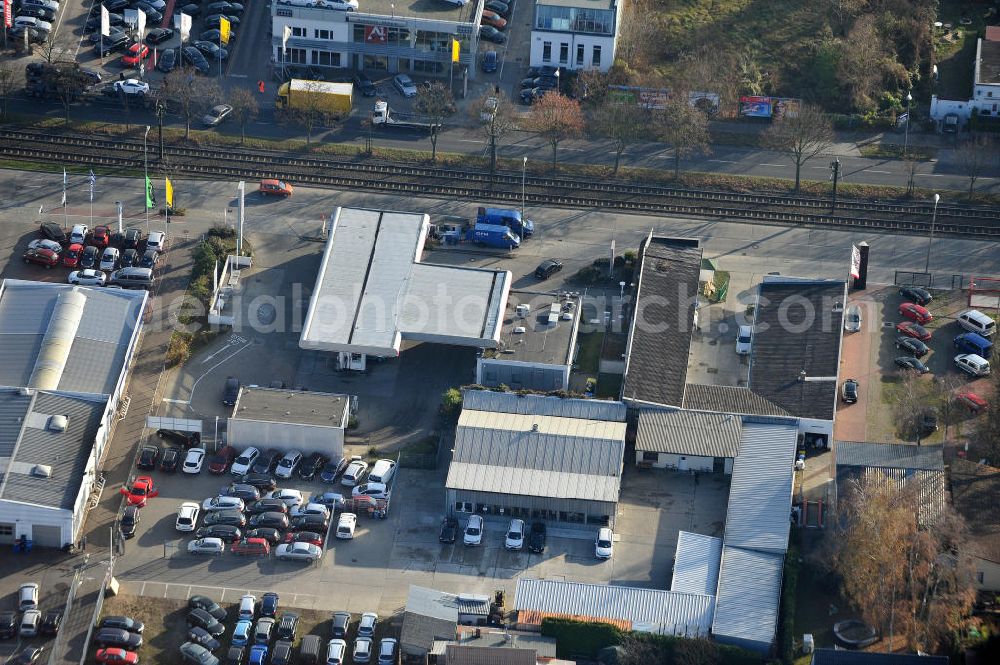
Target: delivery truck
column 493, row 235
column 507, row 217
column 385, row 118
column 323, row 96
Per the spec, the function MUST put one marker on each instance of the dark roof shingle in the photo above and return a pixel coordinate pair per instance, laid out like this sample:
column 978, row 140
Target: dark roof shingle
column 729, row 399
column 689, row 433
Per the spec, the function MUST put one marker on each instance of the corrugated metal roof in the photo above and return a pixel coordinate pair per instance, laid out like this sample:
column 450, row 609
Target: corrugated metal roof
column 543, row 405
column 729, row 399
column 889, row 455
column 696, row 563
column 532, row 482
column 760, row 493
column 845, row 657
column 519, row 424
column 746, row 609
column 931, row 496
column 443, row 605
column 14, row 409
column 689, row 433
column 654, row 610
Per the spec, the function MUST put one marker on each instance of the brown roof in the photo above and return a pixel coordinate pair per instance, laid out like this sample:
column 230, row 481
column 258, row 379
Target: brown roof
column 989, row 65
column 974, row 491
column 457, row 654
column 993, row 33
column 534, row 618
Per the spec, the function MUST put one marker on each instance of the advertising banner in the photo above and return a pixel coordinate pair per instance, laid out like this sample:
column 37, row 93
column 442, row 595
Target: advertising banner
column 752, row 106
column 855, row 262
column 8, row 19
column 376, row 34
column 785, row 107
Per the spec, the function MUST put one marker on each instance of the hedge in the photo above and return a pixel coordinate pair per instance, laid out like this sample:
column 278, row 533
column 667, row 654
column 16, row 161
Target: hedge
column 786, row 631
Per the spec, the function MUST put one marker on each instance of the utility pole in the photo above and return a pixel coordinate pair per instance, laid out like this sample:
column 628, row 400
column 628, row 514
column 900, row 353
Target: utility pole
column 161, row 110
column 930, row 240
column 835, row 167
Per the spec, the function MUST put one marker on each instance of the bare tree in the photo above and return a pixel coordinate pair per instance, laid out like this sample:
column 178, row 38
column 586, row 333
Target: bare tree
column 622, row 121
column 310, row 108
column 190, row 95
column 496, row 117
column 636, row 650
column 865, row 65
column 437, row 103
column 988, row 430
column 683, row 127
column 696, row 651
column 803, row 135
column 977, row 156
column 909, row 404
column 245, row 109
column 6, row 87
column 555, row 118
column 67, row 83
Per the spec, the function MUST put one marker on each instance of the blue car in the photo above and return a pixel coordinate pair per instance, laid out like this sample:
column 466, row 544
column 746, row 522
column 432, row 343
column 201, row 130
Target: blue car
column 489, row 63
column 258, row 654
column 269, row 604
column 241, row 634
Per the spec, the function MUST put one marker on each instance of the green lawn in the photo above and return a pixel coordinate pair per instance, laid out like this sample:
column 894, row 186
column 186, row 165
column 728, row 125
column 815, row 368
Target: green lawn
column 589, row 356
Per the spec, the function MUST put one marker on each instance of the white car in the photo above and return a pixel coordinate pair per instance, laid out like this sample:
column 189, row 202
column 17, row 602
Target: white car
column 366, row 627
column 604, row 546
column 473, row 531
column 109, row 259
column 972, row 364
column 29, row 623
column 286, row 467
column 133, row 87
column 187, row 516
column 515, row 535
column 362, row 650
column 206, row 546
column 852, row 319
column 88, row 277
column 157, row 240
column 374, row 490
column 310, row 509
column 45, row 243
column 743, row 338
column 244, row 462
column 354, row 472
column 346, row 525
column 222, row 503
column 79, row 234
column 216, row 115
column 288, row 496
column 405, row 85
column 298, row 552
column 336, row 652
column 248, row 606
column 193, row 461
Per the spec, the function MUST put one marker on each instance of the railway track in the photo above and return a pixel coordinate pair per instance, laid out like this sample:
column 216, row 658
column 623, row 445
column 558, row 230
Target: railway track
column 953, row 220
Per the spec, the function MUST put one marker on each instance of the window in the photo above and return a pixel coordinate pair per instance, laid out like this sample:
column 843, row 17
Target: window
column 8, row 530
column 563, row 54
column 298, row 32
column 296, row 56
column 597, row 56
column 579, row 55
column 650, row 456
column 463, row 507
column 326, row 59
column 323, row 34
column 979, row 576
column 546, row 51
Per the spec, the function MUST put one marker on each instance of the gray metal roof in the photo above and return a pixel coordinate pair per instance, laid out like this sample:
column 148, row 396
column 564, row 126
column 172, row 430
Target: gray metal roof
column 544, row 336
column 371, row 290
column 14, row 407
column 542, row 405
column 889, row 455
column 696, row 563
column 688, row 433
column 532, row 455
column 100, row 344
column 456, row 654
column 443, row 605
column 292, row 406
column 653, row 610
column 746, row 610
column 66, row 452
column 729, row 399
column 760, row 493
column 662, row 321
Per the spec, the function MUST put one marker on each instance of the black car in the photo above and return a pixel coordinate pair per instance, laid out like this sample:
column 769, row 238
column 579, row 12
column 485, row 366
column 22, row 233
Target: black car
column 200, row 636
column 114, row 34
column 548, row 268
column 115, row 5
column 41, row 13
column 89, row 257
column 94, row 22
column 536, row 538
column 491, row 34
column 364, row 85
column 544, row 82
column 287, row 626
column 225, row 532
column 211, row 50
column 267, row 506
column 212, row 35
column 191, row 10
column 544, row 70
column 208, row 605
column 212, row 20
column 449, row 530
column 271, row 535
column 129, row 521
column 310, row 522
column 8, row 625
column 231, row 391
column 154, row 16
column 269, row 604
column 149, row 259
column 167, row 60
column 52, row 231
column 28, row 656
column 227, row 8
column 159, row 35
column 529, row 96
column 501, row 8
column 193, row 57
column 311, row 465
column 928, row 423
column 270, row 520
column 202, row 619
column 111, row 45
column 489, row 62
column 124, row 623
column 195, row 654
column 282, row 654
column 333, row 468
column 35, row 36
column 131, row 239
column 51, row 622
column 909, row 362
column 117, row 637
column 340, row 624
column 265, row 482
column 186, row 439
column 917, row 295
column 235, row 656
column 147, row 458
column 267, row 461
column 242, row 491
column 849, row 391
column 230, row 517
column 130, row 258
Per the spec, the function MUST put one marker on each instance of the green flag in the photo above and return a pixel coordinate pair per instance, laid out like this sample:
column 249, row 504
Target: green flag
column 150, row 195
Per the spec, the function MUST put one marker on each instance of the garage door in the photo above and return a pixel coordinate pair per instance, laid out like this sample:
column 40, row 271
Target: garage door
column 46, row 536
column 6, row 533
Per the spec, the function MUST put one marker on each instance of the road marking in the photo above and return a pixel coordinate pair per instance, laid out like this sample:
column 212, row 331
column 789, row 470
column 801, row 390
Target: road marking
column 779, row 165
column 176, row 401
column 724, row 161
column 877, row 171
column 461, row 140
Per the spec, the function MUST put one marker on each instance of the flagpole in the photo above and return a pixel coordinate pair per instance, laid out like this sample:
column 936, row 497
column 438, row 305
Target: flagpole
column 92, row 183
column 65, row 214
column 145, row 170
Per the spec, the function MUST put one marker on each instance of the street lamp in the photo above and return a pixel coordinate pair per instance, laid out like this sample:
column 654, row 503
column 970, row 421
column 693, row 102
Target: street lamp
column 558, row 90
column 930, row 240
column 906, row 131
column 524, row 167
column 621, row 291
column 145, row 172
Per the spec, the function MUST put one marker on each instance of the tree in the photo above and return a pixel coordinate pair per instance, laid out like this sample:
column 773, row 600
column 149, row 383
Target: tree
column 67, row 83
column 902, row 562
column 495, row 115
column 310, row 109
column 451, row 402
column 909, row 404
column 555, row 118
column 190, row 95
column 865, row 64
column 436, row 102
column 696, row 651
column 803, row 135
column 975, row 157
column 6, row 87
column 683, row 127
column 245, row 109
column 622, row 121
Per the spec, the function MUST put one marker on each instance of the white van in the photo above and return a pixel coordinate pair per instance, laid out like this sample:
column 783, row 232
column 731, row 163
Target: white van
column 346, row 525
column 975, row 321
column 27, row 597
column 29, row 623
column 382, row 472
column 972, row 364
column 157, row 240
column 132, row 278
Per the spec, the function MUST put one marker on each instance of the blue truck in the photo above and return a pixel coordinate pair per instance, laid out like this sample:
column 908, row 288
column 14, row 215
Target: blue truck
column 505, row 217
column 493, row 235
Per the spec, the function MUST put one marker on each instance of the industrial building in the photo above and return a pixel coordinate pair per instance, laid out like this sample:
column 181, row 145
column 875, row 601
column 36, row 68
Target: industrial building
column 537, row 457
column 537, row 343
column 372, row 291
column 289, row 420
column 67, row 351
column 432, row 616
column 485, row 646
column 687, row 440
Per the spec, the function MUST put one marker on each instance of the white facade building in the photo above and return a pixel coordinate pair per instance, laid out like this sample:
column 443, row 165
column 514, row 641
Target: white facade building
column 985, row 100
column 575, row 34
column 290, row 420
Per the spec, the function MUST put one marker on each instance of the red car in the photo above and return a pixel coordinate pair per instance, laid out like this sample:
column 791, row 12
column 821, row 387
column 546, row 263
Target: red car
column 972, row 401
column 275, row 187
column 42, row 256
column 914, row 312
column 71, row 258
column 912, row 329
column 136, row 53
column 142, row 489
column 251, row 547
column 102, row 236
column 305, row 537
column 116, row 656
column 222, row 460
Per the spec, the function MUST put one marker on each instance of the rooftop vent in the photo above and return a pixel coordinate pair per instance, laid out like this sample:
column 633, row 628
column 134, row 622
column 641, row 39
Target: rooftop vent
column 534, row 427
column 520, row 330
column 41, row 471
column 802, row 375
column 25, row 391
column 58, row 423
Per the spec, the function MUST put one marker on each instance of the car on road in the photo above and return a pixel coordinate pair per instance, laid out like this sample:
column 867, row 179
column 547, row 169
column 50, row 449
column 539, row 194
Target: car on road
column 548, row 268
column 911, row 329
column 473, row 531
column 288, row 463
column 449, row 530
column 271, row 535
column 364, row 85
column 217, row 113
column 142, row 488
column 223, row 503
column 129, row 522
column 491, row 34
column 852, row 318
column 354, row 472
column 229, row 517
column 193, row 461
column 515, row 535
column 116, row 656
column 604, row 543
column 913, row 312
column 536, row 538
column 230, row 391
column 53, row 231
column 298, row 552
column 42, row 256
column 849, row 391
column 221, row 460
column 147, row 458
column 187, row 516
column 911, row 363
column 274, row 187
column 241, row 491
column 915, row 294
column 245, row 461
column 88, row 277
column 71, row 258
column 206, row 546
column 132, row 87
column 223, row 532
column 404, row 84
column 911, row 344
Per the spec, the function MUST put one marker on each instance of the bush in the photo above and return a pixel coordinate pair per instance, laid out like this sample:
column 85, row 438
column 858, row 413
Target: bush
column 580, row 638
column 179, row 349
column 451, row 402
column 789, row 586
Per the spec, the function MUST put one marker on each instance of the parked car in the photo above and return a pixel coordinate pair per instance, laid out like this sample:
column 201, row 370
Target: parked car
column 258, row 655
column 473, row 531
column 51, row 622
column 332, row 469
column 311, row 465
column 270, row 520
column 911, row 363
column 911, row 344
column 263, row 629
column 336, row 652
column 364, row 85
column 515, row 535
column 193, row 461
column 207, row 604
column 223, row 532
column 271, row 535
column 187, row 516
column 230, row 391
column 914, row 294
column 849, row 391
column 241, row 491
column 186, row 439
column 30, row 621
column 354, row 472
column 493, row 19
column 536, row 538
column 217, row 114
column 251, row 547
column 248, row 606
column 269, row 604
column 8, row 625
column 27, row 596
column 79, row 234
column 222, row 503
column 404, row 84
column 852, row 318
column 200, row 618
column 289, row 496
column 117, row 637
column 242, row 632
column 142, row 489
column 340, row 624
column 298, row 552
column 116, row 656
column 221, row 460
column 272, row 187
column 71, row 257
column 305, row 537
column 366, row 627
column 449, row 530
column 267, row 461
column 167, row 60
column 147, row 458
column 149, row 259
column 159, row 35
column 230, row 517
column 916, row 313
column 42, row 256
column 53, row 231
column 346, row 525
column 266, row 506
column 362, row 650
column 374, row 490
column 129, row 521
column 196, row 654
column 388, row 651
column 170, row 459
column 202, row 637
column 972, row 364
column 491, row 34
column 912, row 329
column 310, row 522
column 245, row 461
column 604, row 544
column 288, row 463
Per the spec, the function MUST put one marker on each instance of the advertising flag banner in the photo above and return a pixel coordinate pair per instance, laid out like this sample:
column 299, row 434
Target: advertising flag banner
column 169, row 186
column 8, row 17
column 65, row 182
column 140, row 23
column 105, row 21
column 455, row 48
column 93, row 183
column 224, row 28
column 286, row 32
column 185, row 26
column 150, row 195
column 855, row 262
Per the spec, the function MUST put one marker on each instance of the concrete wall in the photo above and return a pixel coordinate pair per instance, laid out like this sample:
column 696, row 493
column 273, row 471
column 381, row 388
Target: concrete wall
column 684, row 462
column 286, row 436
column 492, row 372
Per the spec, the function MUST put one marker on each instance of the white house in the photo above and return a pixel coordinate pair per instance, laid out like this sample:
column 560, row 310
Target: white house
column 986, row 84
column 575, row 34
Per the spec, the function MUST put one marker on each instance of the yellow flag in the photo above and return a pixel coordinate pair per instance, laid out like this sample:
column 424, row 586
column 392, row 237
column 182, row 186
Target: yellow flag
column 170, row 193
column 455, row 46
column 224, row 29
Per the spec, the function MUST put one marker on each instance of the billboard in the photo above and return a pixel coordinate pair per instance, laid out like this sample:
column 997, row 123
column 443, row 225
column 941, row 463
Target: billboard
column 755, row 106
column 656, row 98
column 376, row 34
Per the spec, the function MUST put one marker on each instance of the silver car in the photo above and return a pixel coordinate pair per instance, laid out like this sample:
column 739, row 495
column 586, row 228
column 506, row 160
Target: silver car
column 852, row 319
column 206, row 546
column 217, row 115
column 298, row 552
column 405, row 85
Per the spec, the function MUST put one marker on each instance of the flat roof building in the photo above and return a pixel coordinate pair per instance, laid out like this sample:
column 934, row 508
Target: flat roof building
column 575, row 34
column 687, row 440
column 289, row 420
column 432, row 616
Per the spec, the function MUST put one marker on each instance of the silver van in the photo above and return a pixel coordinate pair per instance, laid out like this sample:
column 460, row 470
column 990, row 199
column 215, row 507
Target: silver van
column 972, row 364
column 975, row 321
column 132, row 278
column 27, row 597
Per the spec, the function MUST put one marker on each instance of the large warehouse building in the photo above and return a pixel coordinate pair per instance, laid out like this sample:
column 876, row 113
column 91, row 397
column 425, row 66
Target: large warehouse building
column 66, row 355
column 289, row 420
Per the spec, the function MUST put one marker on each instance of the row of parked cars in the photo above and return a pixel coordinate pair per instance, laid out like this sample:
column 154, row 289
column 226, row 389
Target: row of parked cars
column 515, row 537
